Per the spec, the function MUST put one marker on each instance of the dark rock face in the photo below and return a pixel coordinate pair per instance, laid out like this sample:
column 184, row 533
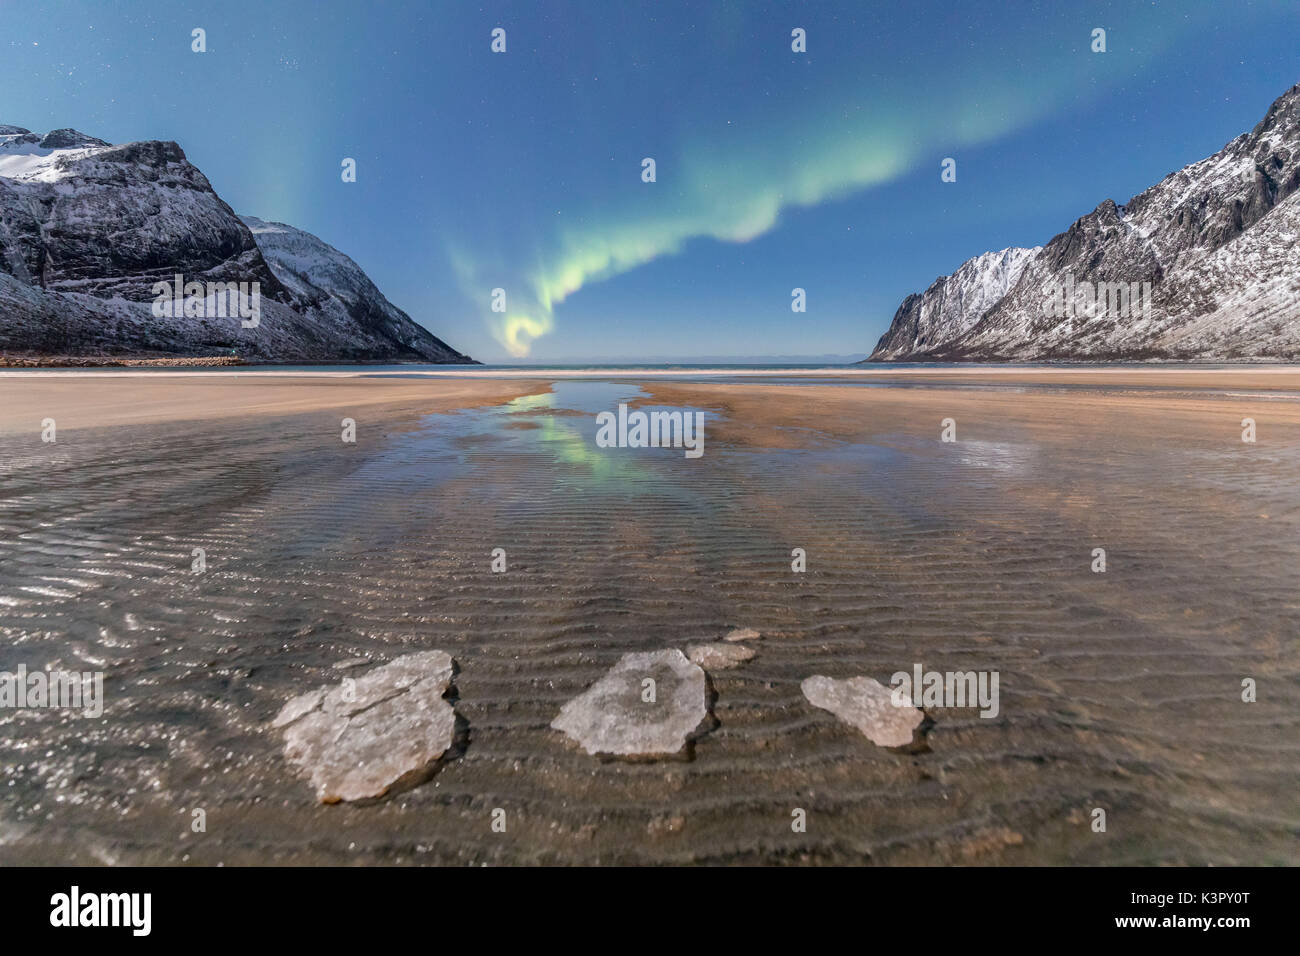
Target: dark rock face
column 134, row 213
column 1215, row 243
column 87, row 229
column 16, row 136
column 67, row 138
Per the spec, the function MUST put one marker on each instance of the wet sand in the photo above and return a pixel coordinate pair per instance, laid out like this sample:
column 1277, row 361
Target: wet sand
column 1118, row 690
column 96, row 400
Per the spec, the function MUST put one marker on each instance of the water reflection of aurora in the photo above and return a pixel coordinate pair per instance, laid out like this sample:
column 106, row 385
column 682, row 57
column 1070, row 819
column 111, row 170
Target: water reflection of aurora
column 571, row 438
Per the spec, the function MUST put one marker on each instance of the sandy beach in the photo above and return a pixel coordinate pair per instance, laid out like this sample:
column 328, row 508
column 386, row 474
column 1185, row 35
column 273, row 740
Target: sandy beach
column 91, row 400
column 1119, row 690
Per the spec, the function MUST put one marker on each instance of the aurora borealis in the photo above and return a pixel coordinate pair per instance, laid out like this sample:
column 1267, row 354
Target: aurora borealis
column 775, row 169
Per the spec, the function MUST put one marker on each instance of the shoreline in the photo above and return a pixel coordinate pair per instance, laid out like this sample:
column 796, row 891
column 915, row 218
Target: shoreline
column 80, row 398
column 146, row 398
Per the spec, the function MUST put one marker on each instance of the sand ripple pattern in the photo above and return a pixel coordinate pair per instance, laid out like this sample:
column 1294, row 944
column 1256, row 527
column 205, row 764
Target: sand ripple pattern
column 1118, row 690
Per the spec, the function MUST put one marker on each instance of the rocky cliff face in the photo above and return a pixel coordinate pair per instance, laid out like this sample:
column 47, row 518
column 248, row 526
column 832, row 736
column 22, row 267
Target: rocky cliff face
column 952, row 304
column 1204, row 265
column 87, row 229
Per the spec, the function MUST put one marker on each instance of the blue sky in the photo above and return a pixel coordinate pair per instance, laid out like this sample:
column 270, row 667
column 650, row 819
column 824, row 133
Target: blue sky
column 522, row 170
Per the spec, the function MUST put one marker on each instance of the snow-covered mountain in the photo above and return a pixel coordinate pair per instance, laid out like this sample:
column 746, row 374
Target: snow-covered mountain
column 333, row 287
column 88, row 228
column 1204, row 265
column 953, row 303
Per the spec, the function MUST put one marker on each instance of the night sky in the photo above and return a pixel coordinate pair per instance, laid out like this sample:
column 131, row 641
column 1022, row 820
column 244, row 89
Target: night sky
column 775, row 169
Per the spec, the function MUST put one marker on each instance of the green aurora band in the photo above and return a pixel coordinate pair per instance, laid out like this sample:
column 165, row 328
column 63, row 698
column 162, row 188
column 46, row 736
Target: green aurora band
column 734, row 187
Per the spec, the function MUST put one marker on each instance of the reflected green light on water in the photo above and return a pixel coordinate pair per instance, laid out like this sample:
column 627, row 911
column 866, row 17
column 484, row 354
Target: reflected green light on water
column 567, row 444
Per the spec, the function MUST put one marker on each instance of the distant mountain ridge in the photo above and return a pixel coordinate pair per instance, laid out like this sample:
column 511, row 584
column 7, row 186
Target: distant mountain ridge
column 88, row 228
column 1218, row 242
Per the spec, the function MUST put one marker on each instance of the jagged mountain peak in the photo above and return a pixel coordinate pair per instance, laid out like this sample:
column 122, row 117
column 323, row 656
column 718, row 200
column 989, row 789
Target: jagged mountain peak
column 28, row 156
column 1283, row 115
column 70, row 139
column 67, row 138
column 1211, row 247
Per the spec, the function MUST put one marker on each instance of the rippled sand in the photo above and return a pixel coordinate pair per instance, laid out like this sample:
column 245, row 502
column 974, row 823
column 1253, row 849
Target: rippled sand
column 1118, row 690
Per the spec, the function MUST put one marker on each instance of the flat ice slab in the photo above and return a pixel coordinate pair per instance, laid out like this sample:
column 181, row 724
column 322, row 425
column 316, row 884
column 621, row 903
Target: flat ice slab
column 624, row 715
column 719, row 657
column 358, row 738
column 867, row 705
